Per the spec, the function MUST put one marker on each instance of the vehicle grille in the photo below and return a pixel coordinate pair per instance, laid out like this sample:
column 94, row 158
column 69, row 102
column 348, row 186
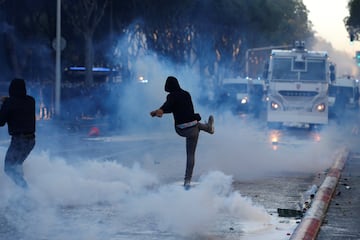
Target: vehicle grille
column 298, row 93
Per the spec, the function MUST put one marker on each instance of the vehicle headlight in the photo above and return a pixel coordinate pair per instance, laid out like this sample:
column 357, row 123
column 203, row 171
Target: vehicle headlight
column 274, row 106
column 320, row 107
column 142, row 79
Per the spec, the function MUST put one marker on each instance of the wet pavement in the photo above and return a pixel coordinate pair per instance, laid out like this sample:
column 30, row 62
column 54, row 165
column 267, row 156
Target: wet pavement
column 284, row 191
column 342, row 219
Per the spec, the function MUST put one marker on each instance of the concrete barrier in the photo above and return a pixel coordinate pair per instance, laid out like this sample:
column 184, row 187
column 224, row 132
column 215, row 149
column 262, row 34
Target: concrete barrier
column 309, row 227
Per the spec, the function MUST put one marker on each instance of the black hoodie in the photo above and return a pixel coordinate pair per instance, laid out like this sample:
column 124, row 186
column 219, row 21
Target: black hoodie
column 178, row 102
column 18, row 110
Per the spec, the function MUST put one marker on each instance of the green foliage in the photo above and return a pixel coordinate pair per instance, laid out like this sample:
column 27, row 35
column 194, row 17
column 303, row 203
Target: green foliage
column 352, row 22
column 221, row 31
column 214, row 32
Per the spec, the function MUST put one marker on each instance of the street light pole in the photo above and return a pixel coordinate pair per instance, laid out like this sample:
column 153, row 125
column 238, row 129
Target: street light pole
column 58, row 59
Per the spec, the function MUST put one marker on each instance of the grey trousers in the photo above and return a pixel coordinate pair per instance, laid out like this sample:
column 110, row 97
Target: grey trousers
column 192, row 135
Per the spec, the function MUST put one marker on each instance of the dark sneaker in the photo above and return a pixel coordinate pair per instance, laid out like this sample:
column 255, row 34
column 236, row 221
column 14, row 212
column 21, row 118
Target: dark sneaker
column 187, row 184
column 211, row 124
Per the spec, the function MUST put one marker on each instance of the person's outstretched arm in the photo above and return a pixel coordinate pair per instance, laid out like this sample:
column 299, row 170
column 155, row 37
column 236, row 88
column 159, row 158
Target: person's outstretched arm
column 158, row 113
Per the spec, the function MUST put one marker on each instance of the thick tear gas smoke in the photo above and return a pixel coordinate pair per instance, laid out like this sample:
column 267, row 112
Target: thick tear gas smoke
column 139, row 97
column 113, row 198
column 345, row 64
column 135, row 193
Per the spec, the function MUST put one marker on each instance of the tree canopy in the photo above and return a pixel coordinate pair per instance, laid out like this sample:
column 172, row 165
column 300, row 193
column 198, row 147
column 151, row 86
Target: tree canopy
column 205, row 33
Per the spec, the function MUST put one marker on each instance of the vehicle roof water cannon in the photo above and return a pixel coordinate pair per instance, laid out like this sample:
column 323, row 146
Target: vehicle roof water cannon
column 300, row 45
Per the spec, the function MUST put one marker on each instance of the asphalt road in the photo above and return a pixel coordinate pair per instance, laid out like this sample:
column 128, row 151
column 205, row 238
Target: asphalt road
column 341, row 222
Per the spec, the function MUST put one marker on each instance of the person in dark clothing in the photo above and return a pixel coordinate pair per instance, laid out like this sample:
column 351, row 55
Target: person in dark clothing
column 187, row 122
column 18, row 111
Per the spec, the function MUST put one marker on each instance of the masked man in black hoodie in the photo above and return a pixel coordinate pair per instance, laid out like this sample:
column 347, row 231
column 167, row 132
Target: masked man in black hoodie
column 179, row 103
column 18, row 111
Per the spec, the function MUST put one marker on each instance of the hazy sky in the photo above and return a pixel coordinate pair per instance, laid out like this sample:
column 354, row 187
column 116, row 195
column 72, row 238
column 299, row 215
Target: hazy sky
column 327, row 17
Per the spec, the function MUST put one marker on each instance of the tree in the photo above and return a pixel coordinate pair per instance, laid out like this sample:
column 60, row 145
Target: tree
column 215, row 33
column 208, row 34
column 26, row 38
column 85, row 16
column 352, row 22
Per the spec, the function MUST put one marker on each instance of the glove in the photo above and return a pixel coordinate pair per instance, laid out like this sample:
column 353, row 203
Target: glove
column 157, row 113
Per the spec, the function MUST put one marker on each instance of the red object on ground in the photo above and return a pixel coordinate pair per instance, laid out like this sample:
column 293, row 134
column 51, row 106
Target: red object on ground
column 94, row 132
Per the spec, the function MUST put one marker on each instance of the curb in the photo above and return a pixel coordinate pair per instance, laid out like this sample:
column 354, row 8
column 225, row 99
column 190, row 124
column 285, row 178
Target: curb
column 310, row 225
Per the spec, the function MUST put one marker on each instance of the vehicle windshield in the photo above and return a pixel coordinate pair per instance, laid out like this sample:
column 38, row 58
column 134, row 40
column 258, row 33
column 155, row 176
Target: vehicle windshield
column 234, row 88
column 316, row 70
column 281, row 70
column 336, row 90
column 286, row 69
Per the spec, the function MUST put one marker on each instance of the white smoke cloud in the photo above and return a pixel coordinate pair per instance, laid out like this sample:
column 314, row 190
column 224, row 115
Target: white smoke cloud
column 96, row 193
column 137, row 194
column 345, row 64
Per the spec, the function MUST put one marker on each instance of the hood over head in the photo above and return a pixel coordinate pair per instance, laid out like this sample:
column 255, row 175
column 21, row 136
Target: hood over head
column 172, row 84
column 17, row 88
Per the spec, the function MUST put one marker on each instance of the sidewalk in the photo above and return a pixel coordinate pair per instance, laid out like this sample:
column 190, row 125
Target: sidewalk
column 311, row 223
column 342, row 218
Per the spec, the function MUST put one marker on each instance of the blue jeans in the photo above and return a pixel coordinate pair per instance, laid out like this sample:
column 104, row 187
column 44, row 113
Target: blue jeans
column 19, row 149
